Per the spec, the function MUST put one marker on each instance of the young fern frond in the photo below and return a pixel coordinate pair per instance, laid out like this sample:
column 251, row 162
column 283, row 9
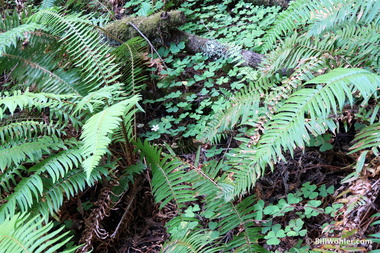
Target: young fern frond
column 169, row 176
column 96, row 131
column 289, row 128
column 22, row 233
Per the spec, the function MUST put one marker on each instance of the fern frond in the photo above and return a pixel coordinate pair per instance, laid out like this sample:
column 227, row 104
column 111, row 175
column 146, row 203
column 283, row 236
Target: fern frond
column 337, row 28
column 13, row 154
column 305, row 71
column 27, row 130
column 241, row 107
column 129, row 56
column 47, row 4
column 28, row 109
column 362, row 39
column 35, row 69
column 96, row 131
column 73, row 182
column 8, row 179
column 11, row 37
column 344, row 13
column 198, row 242
column 22, row 233
column 368, row 137
column 83, row 45
column 299, row 13
column 95, row 100
column 58, row 165
column 28, row 190
column 169, row 176
column 18, row 100
column 296, row 49
column 289, row 129
column 10, row 21
column 231, row 216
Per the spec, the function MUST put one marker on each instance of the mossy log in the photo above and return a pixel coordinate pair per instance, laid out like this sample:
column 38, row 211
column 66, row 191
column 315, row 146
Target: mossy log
column 158, row 27
column 162, row 28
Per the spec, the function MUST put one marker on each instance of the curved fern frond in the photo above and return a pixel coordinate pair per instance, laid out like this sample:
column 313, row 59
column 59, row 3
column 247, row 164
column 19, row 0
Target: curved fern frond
column 368, row 137
column 22, row 233
column 83, row 45
column 96, row 131
column 169, row 176
column 289, row 128
column 28, row 190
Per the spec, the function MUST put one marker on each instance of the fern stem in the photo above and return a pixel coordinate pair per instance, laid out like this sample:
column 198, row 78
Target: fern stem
column 127, row 143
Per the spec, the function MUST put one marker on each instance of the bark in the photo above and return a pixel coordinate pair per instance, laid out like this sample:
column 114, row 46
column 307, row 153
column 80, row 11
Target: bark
column 214, row 49
column 162, row 28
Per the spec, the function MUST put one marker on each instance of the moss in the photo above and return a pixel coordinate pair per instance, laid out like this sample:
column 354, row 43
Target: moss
column 155, row 27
